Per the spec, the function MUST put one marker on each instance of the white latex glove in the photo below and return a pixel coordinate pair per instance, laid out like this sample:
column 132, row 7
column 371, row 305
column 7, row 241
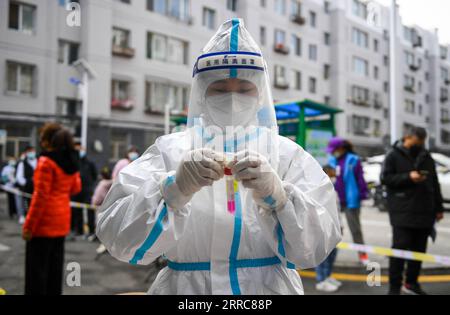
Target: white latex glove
column 198, row 169
column 255, row 173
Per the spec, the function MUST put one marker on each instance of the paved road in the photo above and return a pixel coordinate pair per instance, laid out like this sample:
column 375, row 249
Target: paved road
column 377, row 231
column 109, row 276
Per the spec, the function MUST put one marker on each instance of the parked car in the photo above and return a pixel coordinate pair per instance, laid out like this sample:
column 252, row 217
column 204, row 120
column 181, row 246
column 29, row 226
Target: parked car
column 372, row 170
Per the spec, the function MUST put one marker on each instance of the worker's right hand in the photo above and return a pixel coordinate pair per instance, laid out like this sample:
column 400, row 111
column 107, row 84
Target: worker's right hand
column 416, row 177
column 198, row 169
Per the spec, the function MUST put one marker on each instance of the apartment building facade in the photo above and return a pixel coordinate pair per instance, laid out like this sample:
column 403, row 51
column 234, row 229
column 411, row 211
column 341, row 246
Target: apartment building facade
column 143, row 52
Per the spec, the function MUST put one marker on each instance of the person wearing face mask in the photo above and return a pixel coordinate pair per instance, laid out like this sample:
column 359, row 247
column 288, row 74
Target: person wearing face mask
column 414, row 202
column 132, row 155
column 25, row 174
column 234, row 207
column 57, row 178
column 8, row 179
column 88, row 173
column 350, row 186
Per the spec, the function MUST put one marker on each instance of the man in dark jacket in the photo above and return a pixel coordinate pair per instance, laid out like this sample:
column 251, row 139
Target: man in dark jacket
column 414, row 202
column 25, row 176
column 88, row 173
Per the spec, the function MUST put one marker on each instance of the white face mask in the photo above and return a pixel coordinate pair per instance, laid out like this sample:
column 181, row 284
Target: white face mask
column 133, row 156
column 231, row 109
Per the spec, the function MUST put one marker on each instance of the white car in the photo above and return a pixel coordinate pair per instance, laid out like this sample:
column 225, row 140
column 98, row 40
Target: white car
column 372, row 170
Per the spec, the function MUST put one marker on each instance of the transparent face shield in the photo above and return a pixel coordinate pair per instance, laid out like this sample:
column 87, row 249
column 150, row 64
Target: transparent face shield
column 231, row 107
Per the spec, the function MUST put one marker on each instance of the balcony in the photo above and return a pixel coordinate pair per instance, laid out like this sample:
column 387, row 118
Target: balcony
column 444, row 99
column 281, row 49
column 377, row 105
column 360, row 102
column 417, row 41
column 409, row 88
column 298, row 19
column 281, row 84
column 125, row 52
column 414, row 67
column 445, row 121
column 122, row 104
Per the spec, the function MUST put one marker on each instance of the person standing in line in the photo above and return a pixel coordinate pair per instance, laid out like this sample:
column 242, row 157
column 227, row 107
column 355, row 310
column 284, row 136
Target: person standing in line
column 415, row 204
column 325, row 281
column 99, row 196
column 88, row 173
column 350, row 186
column 132, row 155
column 25, row 174
column 8, row 179
column 48, row 221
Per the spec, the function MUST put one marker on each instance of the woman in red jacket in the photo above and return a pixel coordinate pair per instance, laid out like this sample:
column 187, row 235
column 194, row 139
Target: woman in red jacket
column 48, row 221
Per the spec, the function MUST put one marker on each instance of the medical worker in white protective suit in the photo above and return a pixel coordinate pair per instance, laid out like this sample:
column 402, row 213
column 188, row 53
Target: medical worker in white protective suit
column 234, row 207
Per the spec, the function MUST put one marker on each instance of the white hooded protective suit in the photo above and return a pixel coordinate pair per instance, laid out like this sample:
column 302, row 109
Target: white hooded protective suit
column 211, row 250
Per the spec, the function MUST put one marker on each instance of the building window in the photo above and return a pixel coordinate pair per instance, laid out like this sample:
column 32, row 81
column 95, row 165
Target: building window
column 326, row 71
column 68, row 108
column 157, row 95
column 280, row 37
column 312, row 85
column 445, row 137
column 67, row 52
column 120, row 90
column 444, row 52
column 313, row 52
column 232, row 5
column 376, row 72
column 312, row 19
column 118, row 145
column 409, row 58
column 121, row 38
column 263, row 3
column 262, row 35
column 167, row 49
column 297, row 45
column 327, row 38
column 209, row 18
column 444, row 75
column 360, row 96
column 376, row 45
column 359, row 9
column 22, row 17
column 179, row 9
column 410, row 106
column 280, row 42
column 20, row 78
column 297, row 80
column 360, row 125
column 360, row 66
column 444, row 95
column 280, row 7
column 410, row 83
column 360, row 38
column 377, row 128
column 280, row 78
column 327, row 7
column 158, row 6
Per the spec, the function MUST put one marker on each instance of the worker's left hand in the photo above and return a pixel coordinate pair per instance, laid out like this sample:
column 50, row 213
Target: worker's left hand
column 26, row 235
column 255, row 173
